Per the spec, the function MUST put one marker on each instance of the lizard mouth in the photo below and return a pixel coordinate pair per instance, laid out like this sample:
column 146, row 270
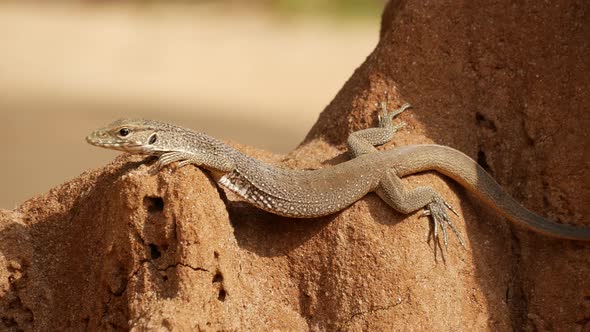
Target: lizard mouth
column 99, row 140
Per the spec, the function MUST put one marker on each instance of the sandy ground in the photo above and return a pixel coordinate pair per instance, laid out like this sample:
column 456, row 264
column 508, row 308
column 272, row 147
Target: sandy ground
column 245, row 76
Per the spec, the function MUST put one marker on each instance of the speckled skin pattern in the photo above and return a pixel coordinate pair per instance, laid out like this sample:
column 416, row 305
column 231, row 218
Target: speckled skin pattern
column 315, row 193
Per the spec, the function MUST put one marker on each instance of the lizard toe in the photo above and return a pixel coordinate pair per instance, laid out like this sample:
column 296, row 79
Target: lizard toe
column 441, row 219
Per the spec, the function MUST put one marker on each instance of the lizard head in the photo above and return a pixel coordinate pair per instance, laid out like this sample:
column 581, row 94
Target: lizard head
column 131, row 135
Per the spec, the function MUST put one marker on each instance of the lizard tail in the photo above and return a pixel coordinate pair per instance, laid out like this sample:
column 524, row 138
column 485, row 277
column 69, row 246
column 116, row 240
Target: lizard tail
column 464, row 170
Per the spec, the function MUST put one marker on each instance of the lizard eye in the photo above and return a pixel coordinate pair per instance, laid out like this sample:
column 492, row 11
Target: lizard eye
column 123, row 132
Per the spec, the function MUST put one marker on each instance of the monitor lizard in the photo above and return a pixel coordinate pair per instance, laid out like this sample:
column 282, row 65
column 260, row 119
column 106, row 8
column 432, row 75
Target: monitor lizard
column 320, row 192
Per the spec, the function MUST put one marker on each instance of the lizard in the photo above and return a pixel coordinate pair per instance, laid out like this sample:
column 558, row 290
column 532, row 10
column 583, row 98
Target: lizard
column 325, row 191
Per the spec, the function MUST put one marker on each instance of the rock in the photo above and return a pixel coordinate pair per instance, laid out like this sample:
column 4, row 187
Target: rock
column 122, row 248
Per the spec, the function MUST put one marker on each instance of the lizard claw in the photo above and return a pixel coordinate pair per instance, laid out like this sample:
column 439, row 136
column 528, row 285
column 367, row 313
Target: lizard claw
column 451, row 208
column 437, row 211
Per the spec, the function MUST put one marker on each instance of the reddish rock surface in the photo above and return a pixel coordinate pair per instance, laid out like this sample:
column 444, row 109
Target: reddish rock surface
column 506, row 83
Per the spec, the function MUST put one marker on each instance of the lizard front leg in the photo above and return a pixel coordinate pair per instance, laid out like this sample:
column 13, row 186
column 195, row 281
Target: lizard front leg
column 391, row 190
column 194, row 158
column 174, row 156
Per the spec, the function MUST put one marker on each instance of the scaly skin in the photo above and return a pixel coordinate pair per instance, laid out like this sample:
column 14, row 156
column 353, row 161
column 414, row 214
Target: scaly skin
column 315, row 193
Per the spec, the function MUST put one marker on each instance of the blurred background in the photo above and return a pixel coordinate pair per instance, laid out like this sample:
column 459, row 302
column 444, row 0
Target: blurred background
column 257, row 72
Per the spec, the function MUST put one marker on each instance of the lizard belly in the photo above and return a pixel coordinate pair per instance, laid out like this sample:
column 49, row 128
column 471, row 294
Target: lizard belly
column 302, row 194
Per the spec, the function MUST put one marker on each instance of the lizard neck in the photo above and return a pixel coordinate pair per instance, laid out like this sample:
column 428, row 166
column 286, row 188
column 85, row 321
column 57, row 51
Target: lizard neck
column 219, row 157
column 223, row 159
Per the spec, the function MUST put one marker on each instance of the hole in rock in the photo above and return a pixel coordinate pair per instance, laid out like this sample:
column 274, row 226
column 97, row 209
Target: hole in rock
column 154, row 251
column 153, row 204
column 218, row 277
column 222, row 295
column 482, row 160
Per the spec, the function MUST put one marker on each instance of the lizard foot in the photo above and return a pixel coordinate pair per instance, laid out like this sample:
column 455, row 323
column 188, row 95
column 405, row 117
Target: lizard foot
column 386, row 117
column 440, row 218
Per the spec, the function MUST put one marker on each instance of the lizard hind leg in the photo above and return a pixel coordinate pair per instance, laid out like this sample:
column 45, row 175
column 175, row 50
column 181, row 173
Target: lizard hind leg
column 364, row 141
column 391, row 190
